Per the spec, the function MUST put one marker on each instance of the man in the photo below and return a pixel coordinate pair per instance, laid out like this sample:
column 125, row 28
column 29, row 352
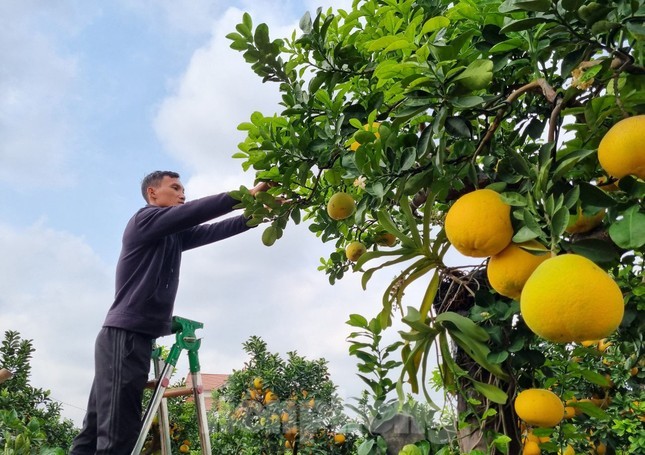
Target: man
column 146, row 285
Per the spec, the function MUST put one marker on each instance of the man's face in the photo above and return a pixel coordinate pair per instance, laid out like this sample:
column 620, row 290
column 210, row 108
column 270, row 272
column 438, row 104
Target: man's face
column 169, row 192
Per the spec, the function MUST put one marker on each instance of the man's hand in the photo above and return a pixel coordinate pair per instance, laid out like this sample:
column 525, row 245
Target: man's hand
column 264, row 186
column 260, row 187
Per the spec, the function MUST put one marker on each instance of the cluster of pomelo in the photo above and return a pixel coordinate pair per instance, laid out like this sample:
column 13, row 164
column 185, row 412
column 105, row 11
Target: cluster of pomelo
column 260, row 394
column 563, row 298
column 341, row 205
column 542, row 408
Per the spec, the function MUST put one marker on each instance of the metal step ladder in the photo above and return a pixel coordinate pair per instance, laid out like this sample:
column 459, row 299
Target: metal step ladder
column 185, row 339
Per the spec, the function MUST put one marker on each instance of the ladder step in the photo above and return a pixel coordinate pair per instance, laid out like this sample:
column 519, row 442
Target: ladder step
column 173, row 392
column 177, row 392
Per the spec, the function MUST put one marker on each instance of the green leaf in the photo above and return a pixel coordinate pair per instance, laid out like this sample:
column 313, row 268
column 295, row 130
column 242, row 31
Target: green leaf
column 467, row 102
column 572, row 196
column 629, row 232
column 591, row 195
column 366, row 447
column 398, row 44
column 596, row 250
column 429, row 295
column 591, row 410
column 356, row 320
column 508, row 6
column 497, row 357
column 493, row 393
column 513, row 199
column 534, row 5
column 477, row 75
column 523, row 24
column 524, row 235
column 368, row 273
column 434, row 24
column 559, row 221
column 463, row 324
column 571, row 5
column 306, row 23
column 261, row 37
column 386, row 222
column 595, row 377
column 247, row 21
column 383, row 42
column 506, row 46
column 458, row 127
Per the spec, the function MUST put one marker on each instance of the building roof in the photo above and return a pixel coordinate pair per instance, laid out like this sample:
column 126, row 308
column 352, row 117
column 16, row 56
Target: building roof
column 210, row 381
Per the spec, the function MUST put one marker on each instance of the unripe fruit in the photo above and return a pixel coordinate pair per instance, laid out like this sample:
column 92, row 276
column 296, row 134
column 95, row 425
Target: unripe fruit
column 341, row 206
column 355, row 250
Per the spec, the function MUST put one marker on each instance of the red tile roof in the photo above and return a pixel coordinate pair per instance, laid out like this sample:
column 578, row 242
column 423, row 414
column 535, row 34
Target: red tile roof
column 210, row 381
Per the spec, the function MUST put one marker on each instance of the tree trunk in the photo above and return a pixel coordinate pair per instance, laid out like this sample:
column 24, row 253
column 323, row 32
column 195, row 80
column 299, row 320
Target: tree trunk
column 453, row 296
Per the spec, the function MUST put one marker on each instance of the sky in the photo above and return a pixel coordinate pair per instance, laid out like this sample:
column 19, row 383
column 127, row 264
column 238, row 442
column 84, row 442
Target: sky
column 93, row 96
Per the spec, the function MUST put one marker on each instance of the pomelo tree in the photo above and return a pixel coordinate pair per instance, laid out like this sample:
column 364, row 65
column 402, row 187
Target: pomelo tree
column 274, row 404
column 410, row 105
column 30, row 420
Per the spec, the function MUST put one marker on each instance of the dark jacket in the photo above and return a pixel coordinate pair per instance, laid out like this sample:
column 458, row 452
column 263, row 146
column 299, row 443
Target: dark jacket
column 147, row 274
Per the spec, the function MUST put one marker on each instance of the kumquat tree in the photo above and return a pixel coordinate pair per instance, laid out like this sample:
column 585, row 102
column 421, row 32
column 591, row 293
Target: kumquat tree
column 513, row 132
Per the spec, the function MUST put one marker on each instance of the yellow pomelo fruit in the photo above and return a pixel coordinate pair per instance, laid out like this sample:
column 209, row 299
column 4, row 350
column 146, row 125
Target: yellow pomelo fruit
column 373, row 128
column 567, row 451
column 569, row 298
column 530, row 437
column 340, row 206
column 581, row 223
column 539, row 407
column 508, row 270
column 569, row 412
column 339, row 439
column 479, row 224
column 589, row 343
column 355, row 250
column 385, row 239
column 622, row 149
column 531, row 448
column 601, row 449
column 270, row 397
column 603, row 345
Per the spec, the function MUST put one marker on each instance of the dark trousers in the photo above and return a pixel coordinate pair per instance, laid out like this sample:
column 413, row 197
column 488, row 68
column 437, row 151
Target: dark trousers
column 113, row 419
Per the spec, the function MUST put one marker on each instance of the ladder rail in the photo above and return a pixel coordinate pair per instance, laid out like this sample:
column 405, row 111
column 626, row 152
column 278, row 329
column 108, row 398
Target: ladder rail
column 200, row 404
column 155, row 401
column 164, row 418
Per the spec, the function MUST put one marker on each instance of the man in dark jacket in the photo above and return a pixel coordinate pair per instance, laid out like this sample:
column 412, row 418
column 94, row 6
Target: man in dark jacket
column 147, row 277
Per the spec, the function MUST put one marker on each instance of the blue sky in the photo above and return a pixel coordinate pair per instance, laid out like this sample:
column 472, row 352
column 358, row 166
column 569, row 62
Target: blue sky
column 94, row 95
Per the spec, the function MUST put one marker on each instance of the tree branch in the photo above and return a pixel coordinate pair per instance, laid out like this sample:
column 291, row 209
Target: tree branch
column 541, row 84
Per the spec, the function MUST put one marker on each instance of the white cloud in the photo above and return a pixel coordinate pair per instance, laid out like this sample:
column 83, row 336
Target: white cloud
column 55, row 291
column 193, row 17
column 35, row 133
column 218, row 91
